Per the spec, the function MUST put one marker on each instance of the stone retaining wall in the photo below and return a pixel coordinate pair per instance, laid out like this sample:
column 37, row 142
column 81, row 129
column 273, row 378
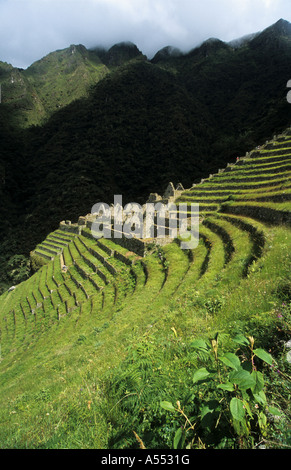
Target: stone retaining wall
column 264, row 214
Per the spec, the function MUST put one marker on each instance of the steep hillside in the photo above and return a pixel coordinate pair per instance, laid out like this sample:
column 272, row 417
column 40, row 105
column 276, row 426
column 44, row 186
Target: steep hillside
column 110, row 335
column 53, row 82
column 34, row 94
column 64, row 76
column 19, row 97
column 242, row 87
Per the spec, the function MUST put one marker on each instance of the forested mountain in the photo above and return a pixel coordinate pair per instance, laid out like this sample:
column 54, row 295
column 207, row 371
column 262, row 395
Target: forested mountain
column 79, row 126
column 34, row 94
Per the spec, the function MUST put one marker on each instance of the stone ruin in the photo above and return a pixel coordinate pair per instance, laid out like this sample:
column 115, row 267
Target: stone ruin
column 169, row 195
column 136, row 237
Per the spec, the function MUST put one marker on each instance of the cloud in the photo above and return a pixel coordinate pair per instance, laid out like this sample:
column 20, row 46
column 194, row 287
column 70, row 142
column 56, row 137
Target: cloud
column 31, row 29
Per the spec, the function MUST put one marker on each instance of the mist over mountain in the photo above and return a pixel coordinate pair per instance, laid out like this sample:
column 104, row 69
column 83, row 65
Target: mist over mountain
column 79, row 125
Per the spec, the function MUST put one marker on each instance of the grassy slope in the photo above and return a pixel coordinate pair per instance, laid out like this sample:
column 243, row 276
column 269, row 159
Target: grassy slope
column 59, row 342
column 53, row 82
column 64, row 76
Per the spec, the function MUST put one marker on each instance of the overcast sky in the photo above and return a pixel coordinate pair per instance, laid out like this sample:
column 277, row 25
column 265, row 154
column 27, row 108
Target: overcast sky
column 30, row 29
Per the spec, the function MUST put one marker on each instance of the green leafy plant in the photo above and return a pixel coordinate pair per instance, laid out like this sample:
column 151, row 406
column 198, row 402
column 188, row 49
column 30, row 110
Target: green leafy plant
column 18, row 268
column 213, row 305
column 228, row 394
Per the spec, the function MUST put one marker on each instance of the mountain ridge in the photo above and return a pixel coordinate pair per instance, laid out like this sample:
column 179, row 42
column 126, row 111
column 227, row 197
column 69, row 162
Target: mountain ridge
column 64, row 75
